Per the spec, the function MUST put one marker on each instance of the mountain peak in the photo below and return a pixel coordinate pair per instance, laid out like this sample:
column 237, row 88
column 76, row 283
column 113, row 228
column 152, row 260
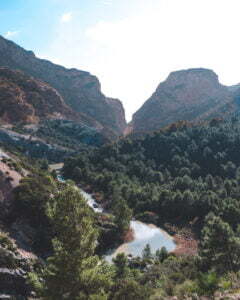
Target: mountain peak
column 79, row 89
column 191, row 95
column 189, row 74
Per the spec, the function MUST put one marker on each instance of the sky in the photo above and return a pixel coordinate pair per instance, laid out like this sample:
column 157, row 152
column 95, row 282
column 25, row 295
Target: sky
column 130, row 45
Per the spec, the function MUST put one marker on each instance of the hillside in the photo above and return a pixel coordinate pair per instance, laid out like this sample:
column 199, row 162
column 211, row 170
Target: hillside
column 191, row 95
column 185, row 179
column 80, row 90
column 24, row 99
column 169, row 173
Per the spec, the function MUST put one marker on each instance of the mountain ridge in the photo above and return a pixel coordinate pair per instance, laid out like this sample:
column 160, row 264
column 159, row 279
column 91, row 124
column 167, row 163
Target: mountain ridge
column 192, row 95
column 79, row 89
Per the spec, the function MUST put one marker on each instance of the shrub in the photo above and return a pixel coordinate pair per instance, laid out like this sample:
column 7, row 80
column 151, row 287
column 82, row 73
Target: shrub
column 187, row 288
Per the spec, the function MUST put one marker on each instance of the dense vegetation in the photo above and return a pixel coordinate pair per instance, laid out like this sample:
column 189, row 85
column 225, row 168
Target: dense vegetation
column 183, row 175
column 74, row 271
column 180, row 174
column 70, row 134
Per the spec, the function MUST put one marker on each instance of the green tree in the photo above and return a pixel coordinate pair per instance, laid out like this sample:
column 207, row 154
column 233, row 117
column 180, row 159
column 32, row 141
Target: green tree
column 121, row 267
column 220, row 248
column 207, row 283
column 73, row 272
column 123, row 215
column 161, row 254
column 130, row 289
column 146, row 253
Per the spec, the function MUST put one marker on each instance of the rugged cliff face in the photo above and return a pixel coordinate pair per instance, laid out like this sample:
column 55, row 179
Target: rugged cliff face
column 118, row 113
column 27, row 100
column 80, row 90
column 191, row 95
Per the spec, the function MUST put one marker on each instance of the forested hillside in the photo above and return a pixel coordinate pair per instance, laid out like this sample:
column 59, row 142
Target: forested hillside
column 180, row 174
column 185, row 175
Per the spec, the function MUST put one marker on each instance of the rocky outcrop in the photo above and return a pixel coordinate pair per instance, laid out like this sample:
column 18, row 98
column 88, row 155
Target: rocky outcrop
column 191, row 95
column 14, row 267
column 80, row 90
column 27, row 100
column 118, row 113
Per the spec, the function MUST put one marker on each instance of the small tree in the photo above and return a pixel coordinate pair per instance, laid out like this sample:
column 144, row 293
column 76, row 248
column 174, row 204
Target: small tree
column 161, row 254
column 130, row 290
column 120, row 262
column 146, row 253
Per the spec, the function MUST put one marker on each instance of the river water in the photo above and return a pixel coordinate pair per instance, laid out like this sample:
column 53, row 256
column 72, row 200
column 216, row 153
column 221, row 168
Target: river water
column 143, row 234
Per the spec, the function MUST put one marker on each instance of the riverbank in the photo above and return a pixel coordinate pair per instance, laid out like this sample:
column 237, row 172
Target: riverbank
column 129, row 236
column 185, row 243
column 185, row 240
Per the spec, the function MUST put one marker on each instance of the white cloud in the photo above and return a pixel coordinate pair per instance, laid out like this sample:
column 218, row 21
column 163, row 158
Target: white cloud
column 133, row 55
column 141, row 50
column 107, row 2
column 67, row 17
column 11, row 34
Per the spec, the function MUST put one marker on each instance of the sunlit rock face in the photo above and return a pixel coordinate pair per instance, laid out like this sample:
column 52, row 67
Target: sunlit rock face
column 80, row 90
column 24, row 99
column 190, row 95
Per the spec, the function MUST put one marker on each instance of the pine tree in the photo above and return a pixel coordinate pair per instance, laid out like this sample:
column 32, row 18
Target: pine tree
column 120, row 262
column 73, row 272
column 123, row 215
column 146, row 253
column 130, row 290
column 220, row 248
column 161, row 254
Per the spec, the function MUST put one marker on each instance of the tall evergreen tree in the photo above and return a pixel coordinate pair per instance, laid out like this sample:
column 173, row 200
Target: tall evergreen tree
column 73, row 272
column 220, row 248
column 123, row 215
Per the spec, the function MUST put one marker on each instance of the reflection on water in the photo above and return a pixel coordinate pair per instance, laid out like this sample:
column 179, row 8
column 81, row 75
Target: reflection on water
column 144, row 234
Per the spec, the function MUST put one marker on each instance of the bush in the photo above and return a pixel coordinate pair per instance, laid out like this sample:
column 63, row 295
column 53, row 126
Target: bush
column 207, row 283
column 6, row 243
column 187, row 288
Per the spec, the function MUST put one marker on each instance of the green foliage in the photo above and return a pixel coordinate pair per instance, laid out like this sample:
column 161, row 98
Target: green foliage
column 161, row 254
column 6, row 243
column 123, row 215
column 220, row 247
column 70, row 134
column 8, row 251
column 73, row 272
column 174, row 176
column 146, row 253
column 185, row 289
column 207, row 283
column 130, row 289
column 177, row 175
column 121, row 265
column 30, row 201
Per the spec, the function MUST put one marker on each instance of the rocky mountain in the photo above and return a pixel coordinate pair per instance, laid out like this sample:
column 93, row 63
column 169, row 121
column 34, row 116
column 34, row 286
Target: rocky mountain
column 192, row 95
column 27, row 100
column 80, row 90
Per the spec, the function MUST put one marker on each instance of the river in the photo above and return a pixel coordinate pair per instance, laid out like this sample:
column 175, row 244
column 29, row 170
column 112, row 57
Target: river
column 143, row 234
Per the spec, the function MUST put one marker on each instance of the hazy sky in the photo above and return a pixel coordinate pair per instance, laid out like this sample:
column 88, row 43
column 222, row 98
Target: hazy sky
column 131, row 45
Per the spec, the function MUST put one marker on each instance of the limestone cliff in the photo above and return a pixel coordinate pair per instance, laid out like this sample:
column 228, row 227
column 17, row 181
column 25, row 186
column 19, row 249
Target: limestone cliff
column 190, row 95
column 80, row 90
